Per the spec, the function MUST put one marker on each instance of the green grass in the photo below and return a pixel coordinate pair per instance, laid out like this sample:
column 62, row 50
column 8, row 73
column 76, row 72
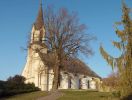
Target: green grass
column 28, row 96
column 68, row 95
column 87, row 95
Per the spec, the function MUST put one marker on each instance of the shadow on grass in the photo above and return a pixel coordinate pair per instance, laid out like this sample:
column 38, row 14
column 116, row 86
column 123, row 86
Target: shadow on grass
column 129, row 97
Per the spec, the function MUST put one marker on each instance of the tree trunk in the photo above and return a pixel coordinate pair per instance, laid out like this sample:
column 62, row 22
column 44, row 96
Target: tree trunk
column 56, row 78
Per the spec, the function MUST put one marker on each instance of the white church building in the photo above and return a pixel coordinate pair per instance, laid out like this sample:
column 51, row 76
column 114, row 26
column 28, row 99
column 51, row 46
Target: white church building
column 37, row 72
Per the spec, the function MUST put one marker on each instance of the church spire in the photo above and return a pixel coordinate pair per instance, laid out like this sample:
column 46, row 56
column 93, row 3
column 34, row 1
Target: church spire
column 39, row 21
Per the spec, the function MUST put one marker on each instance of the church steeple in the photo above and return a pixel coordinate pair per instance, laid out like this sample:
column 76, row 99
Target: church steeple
column 39, row 23
column 38, row 30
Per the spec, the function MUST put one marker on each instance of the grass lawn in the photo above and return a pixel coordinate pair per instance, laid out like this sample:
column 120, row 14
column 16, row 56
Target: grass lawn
column 87, row 95
column 27, row 96
column 68, row 95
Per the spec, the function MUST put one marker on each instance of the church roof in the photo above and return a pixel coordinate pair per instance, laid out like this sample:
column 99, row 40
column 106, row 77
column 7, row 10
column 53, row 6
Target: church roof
column 39, row 23
column 73, row 65
column 78, row 66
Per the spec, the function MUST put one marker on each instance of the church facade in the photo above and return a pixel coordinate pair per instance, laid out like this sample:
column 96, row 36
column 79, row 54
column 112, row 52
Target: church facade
column 36, row 71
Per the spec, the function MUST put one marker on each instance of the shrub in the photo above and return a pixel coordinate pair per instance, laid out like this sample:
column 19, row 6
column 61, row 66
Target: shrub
column 15, row 85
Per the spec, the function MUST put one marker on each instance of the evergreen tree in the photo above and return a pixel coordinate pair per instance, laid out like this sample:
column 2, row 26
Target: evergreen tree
column 124, row 62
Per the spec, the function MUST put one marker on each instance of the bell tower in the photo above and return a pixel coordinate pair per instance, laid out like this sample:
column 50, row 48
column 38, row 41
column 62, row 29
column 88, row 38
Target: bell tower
column 38, row 31
column 35, row 70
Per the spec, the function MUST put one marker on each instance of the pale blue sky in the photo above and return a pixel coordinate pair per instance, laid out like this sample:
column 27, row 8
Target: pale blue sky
column 17, row 17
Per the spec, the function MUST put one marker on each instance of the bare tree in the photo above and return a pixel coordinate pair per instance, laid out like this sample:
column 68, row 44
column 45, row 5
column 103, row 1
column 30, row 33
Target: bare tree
column 65, row 38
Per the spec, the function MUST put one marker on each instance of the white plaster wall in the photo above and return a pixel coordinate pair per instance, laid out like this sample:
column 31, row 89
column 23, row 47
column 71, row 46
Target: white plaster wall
column 27, row 72
column 75, row 82
column 51, row 76
column 64, row 81
column 84, row 83
column 32, row 69
column 44, row 82
column 92, row 84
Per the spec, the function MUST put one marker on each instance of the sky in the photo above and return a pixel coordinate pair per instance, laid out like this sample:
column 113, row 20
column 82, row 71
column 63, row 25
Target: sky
column 17, row 17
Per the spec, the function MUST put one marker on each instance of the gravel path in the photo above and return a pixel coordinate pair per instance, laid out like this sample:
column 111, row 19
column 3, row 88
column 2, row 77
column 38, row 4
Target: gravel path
column 53, row 96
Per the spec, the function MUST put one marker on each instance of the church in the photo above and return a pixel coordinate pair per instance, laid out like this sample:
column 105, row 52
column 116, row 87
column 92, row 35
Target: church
column 37, row 72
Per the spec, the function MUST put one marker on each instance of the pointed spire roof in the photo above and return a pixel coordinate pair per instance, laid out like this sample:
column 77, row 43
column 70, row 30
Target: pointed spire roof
column 39, row 21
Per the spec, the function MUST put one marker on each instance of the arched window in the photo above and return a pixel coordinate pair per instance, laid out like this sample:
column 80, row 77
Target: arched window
column 80, row 83
column 88, row 84
column 69, row 82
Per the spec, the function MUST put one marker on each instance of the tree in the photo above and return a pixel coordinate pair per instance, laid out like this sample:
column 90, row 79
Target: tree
column 15, row 85
column 65, row 39
column 16, row 79
column 111, row 81
column 124, row 62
